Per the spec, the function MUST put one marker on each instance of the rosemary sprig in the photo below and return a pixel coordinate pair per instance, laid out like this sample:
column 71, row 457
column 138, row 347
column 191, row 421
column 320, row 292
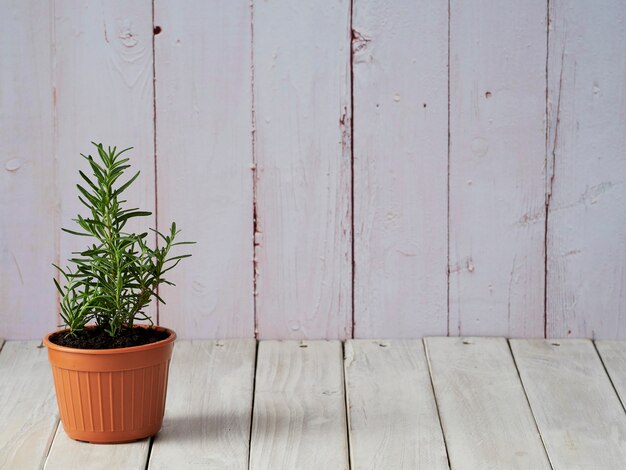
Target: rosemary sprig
column 115, row 278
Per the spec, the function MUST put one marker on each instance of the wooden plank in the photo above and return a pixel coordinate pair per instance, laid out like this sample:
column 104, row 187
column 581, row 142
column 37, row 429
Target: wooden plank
column 586, row 147
column 104, row 93
column 613, row 354
column 204, row 155
column 484, row 413
column 68, row 454
column 400, row 168
column 27, row 176
column 392, row 415
column 28, row 415
column 497, row 161
column 209, row 407
column 299, row 417
column 302, row 118
column 578, row 413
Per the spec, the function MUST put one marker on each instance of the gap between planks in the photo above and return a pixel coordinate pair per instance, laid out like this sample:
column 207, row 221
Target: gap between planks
column 613, row 357
column 587, row 429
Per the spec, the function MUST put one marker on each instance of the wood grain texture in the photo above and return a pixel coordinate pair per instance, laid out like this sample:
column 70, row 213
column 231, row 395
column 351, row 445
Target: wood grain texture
column 68, row 454
column 587, row 148
column 103, row 89
column 578, row 413
column 484, row 414
column 258, row 95
column 392, row 415
column 613, row 354
column 497, row 160
column 400, row 168
column 27, row 172
column 207, row 422
column 28, row 415
column 204, row 156
column 299, row 416
column 302, row 114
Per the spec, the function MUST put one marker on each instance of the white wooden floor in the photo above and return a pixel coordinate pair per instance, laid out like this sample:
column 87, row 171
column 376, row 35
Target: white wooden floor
column 460, row 403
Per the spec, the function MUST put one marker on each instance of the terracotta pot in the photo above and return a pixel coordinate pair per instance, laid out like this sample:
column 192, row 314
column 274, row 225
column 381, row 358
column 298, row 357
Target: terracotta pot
column 111, row 395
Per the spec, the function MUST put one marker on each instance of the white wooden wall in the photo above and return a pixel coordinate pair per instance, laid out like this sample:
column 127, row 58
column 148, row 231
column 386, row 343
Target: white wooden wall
column 349, row 168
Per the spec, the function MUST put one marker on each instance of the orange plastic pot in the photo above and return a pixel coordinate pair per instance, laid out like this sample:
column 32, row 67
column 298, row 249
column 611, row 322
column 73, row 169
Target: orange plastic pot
column 111, row 395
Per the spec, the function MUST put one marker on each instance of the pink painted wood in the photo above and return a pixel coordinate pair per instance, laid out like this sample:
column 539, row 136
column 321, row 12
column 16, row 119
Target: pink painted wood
column 103, row 82
column 497, row 160
column 204, row 155
column 28, row 190
column 400, row 168
column 302, row 109
column 587, row 156
column 253, row 137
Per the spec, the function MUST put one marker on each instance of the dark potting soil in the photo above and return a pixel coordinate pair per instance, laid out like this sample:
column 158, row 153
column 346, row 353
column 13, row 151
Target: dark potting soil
column 97, row 338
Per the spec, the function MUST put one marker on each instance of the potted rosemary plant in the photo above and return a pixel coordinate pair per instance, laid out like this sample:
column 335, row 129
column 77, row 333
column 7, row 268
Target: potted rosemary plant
column 110, row 373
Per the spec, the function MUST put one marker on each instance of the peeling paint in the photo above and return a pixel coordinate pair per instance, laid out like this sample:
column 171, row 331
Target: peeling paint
column 359, row 41
column 13, row 164
column 128, row 38
column 529, row 218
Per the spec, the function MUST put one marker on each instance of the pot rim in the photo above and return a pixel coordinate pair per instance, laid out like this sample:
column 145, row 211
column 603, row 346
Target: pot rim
column 144, row 347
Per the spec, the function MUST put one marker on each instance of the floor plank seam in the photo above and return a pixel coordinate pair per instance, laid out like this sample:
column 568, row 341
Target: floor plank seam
column 532, row 412
column 44, row 461
column 432, row 386
column 345, row 401
column 149, row 454
column 256, row 362
column 606, row 371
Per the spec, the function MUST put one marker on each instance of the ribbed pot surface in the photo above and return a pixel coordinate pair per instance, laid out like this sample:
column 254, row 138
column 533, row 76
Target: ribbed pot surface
column 111, row 395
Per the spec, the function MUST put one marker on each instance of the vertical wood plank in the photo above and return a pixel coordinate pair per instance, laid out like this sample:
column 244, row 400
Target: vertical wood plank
column 484, row 413
column 497, row 159
column 400, row 168
column 204, row 157
column 299, row 416
column 578, row 413
column 207, row 423
column 613, row 354
column 392, row 415
column 302, row 112
column 27, row 172
column 587, row 147
column 28, row 415
column 68, row 454
column 104, row 93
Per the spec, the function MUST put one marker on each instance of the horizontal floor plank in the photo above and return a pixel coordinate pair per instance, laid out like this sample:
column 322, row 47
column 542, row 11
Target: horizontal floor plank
column 28, row 410
column 578, row 413
column 392, row 415
column 299, row 417
column 485, row 417
column 209, row 406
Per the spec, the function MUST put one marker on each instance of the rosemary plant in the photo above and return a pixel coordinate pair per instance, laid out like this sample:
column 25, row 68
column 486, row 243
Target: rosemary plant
column 115, row 278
